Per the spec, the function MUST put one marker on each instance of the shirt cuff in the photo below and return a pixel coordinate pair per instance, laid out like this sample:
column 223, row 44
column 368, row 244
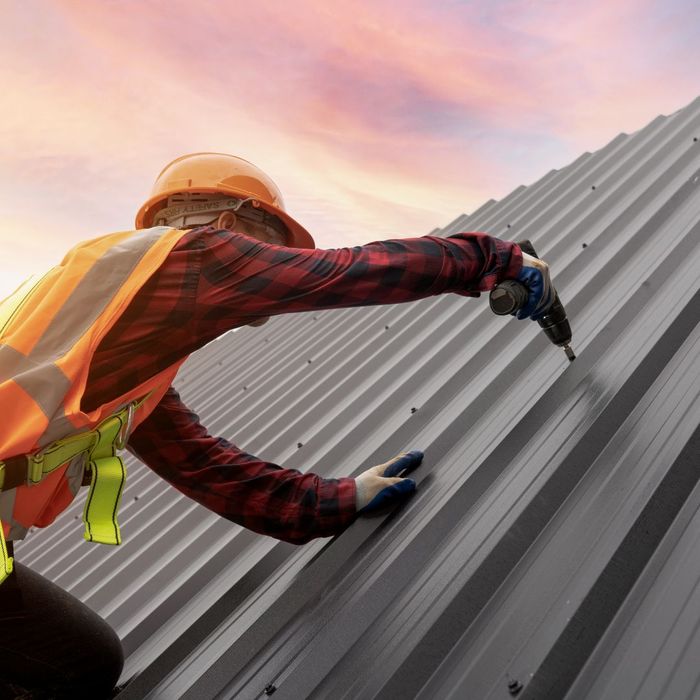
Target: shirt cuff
column 509, row 249
column 338, row 510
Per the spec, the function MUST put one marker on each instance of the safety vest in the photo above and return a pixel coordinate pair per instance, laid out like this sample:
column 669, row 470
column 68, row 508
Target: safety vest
column 49, row 330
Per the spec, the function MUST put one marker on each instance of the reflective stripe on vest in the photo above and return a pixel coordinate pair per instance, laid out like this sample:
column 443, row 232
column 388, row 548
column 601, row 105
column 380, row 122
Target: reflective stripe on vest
column 49, row 330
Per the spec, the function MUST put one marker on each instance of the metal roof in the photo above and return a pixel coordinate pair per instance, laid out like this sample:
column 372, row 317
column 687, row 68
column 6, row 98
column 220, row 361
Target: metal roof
column 553, row 546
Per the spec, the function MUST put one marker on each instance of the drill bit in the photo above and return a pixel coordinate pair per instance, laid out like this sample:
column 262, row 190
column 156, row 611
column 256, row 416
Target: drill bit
column 569, row 353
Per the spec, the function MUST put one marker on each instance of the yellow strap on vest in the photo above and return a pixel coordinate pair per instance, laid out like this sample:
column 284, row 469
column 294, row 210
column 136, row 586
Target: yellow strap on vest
column 57, row 454
column 6, row 561
column 107, row 477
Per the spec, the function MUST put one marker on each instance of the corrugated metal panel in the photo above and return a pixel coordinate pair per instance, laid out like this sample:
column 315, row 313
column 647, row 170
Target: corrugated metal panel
column 552, row 542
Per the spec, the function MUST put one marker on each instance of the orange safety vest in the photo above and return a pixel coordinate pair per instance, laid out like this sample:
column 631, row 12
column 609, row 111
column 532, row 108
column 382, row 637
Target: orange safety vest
column 49, row 331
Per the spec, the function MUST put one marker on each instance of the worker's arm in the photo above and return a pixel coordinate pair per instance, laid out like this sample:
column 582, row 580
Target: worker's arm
column 213, row 281
column 242, row 278
column 261, row 496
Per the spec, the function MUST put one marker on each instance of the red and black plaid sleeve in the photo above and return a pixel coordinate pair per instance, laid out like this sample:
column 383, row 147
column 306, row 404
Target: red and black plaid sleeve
column 242, row 278
column 213, row 281
column 259, row 495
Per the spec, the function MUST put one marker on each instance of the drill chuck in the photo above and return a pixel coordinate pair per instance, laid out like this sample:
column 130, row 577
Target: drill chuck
column 510, row 295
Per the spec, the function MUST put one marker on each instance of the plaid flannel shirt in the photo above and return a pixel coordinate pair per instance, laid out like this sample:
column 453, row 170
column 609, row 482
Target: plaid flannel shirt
column 215, row 280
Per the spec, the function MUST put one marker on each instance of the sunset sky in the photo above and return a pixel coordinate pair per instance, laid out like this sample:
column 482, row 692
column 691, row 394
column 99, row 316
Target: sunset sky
column 376, row 119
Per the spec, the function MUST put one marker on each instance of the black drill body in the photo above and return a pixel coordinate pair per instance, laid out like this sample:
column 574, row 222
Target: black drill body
column 510, row 295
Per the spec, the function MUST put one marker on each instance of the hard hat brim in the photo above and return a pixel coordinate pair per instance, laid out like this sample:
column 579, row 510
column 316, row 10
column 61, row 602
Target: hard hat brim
column 300, row 237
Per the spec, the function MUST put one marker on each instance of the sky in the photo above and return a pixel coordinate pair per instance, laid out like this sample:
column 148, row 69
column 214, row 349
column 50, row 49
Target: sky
column 377, row 119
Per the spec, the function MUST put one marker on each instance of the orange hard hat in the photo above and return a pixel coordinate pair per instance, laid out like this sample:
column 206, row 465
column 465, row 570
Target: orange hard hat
column 224, row 174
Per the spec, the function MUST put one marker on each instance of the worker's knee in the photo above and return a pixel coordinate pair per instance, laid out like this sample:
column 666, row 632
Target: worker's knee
column 54, row 645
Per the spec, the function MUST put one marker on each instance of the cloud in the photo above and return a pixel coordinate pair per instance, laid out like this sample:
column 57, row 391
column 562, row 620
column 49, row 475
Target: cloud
column 372, row 118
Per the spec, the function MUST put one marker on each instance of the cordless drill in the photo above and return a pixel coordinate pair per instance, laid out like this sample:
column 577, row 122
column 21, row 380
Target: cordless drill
column 510, row 295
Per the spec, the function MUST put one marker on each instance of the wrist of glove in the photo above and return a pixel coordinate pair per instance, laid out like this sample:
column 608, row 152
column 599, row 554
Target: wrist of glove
column 379, row 486
column 535, row 276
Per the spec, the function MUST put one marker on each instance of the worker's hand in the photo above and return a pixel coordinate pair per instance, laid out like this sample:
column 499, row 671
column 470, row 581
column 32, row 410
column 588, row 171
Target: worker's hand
column 380, row 485
column 535, row 276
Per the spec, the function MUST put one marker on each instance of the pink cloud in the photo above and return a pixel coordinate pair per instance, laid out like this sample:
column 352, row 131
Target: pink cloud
column 359, row 79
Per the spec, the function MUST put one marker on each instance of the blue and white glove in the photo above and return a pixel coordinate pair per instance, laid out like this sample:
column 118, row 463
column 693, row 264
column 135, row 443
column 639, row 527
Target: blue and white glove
column 535, row 276
column 381, row 485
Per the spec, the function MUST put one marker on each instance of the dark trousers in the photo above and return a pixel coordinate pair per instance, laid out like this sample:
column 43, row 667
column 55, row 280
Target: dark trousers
column 51, row 644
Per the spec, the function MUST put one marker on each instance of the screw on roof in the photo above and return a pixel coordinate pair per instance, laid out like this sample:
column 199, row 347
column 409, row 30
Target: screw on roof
column 514, row 687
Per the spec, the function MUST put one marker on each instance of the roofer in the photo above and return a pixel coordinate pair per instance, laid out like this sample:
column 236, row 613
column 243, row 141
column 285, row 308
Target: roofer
column 88, row 354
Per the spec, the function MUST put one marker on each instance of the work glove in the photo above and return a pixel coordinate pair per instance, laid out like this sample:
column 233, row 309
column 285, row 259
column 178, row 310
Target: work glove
column 535, row 276
column 381, row 485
